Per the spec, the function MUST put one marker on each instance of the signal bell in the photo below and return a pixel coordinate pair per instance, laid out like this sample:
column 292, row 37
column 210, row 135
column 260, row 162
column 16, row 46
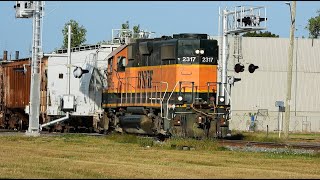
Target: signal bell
column 238, row 68
column 252, row 68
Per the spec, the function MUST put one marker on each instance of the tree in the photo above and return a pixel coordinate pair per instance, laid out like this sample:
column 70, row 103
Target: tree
column 314, row 26
column 104, row 42
column 136, row 30
column 260, row 34
column 125, row 25
column 78, row 34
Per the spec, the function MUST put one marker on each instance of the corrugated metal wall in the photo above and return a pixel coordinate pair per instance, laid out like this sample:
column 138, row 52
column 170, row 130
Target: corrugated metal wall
column 268, row 84
column 17, row 84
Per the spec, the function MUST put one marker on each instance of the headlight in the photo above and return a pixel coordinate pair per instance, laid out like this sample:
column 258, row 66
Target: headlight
column 77, row 72
column 197, row 51
column 180, row 98
column 221, row 99
column 199, row 119
column 201, row 51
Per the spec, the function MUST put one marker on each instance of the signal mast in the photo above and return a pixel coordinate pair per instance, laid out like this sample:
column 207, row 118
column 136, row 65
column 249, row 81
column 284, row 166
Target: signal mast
column 239, row 20
column 35, row 10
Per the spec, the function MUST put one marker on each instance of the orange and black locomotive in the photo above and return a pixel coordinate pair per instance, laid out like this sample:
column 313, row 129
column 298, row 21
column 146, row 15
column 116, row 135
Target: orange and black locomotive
column 165, row 86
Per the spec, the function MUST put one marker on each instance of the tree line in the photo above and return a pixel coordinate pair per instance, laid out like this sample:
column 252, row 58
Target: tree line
column 79, row 31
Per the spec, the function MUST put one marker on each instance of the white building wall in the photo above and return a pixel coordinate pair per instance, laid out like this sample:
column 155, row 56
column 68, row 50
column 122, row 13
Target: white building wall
column 268, row 84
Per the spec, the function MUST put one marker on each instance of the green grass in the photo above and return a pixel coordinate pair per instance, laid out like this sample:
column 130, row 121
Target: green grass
column 274, row 136
column 129, row 156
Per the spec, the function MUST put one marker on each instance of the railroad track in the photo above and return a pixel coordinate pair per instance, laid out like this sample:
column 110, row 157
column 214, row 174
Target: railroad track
column 296, row 145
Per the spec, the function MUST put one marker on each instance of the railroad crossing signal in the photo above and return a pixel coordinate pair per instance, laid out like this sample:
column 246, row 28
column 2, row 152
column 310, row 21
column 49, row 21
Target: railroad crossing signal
column 238, row 68
column 251, row 20
column 252, row 68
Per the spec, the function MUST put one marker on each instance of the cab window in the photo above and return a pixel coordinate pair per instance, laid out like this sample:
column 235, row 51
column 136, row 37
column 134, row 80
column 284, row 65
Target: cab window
column 121, row 63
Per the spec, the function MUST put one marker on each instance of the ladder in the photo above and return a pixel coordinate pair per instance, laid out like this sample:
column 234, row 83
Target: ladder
column 237, row 49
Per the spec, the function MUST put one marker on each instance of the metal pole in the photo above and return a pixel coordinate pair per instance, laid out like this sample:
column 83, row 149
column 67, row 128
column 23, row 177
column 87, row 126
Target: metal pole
column 296, row 84
column 33, row 129
column 279, row 122
column 219, row 56
column 223, row 84
column 289, row 72
column 69, row 59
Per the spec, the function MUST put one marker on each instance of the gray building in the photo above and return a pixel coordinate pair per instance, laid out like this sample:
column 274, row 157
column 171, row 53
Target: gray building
column 256, row 94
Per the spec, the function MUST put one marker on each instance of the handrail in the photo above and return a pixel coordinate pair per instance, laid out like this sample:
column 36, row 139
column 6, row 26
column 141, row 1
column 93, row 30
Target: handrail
column 161, row 99
column 127, row 84
column 169, row 99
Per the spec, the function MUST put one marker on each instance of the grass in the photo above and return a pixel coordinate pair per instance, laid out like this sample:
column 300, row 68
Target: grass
column 274, row 137
column 128, row 156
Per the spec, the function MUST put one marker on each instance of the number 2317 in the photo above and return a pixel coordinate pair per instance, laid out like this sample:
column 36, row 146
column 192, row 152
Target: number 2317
column 188, row 59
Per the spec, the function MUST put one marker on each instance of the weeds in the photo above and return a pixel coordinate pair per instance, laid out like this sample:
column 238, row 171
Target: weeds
column 189, row 144
column 124, row 138
column 290, row 154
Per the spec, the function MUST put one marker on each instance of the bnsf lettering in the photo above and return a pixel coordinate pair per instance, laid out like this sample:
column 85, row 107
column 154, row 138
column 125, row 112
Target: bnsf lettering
column 145, row 79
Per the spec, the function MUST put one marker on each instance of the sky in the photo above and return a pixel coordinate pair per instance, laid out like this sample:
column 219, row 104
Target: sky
column 161, row 17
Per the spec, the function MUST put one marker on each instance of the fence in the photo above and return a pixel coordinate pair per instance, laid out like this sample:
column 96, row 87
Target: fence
column 260, row 120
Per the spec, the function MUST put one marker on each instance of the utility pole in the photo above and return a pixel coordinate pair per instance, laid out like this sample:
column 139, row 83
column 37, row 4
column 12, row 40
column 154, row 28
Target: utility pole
column 289, row 72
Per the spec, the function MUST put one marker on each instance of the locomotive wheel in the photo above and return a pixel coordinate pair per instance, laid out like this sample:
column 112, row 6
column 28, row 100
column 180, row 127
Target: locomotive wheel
column 105, row 123
column 12, row 123
column 158, row 126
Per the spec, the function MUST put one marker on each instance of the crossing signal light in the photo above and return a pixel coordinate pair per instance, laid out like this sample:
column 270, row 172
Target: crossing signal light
column 251, row 20
column 252, row 68
column 78, row 72
column 238, row 68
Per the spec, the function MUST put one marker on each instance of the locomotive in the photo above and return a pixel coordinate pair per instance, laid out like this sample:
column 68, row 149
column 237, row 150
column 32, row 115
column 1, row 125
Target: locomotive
column 165, row 87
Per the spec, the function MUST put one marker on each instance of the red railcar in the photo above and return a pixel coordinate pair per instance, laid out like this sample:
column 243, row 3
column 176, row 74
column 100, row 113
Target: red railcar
column 15, row 76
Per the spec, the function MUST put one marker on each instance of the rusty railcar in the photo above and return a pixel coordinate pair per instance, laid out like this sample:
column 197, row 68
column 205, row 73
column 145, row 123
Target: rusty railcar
column 15, row 76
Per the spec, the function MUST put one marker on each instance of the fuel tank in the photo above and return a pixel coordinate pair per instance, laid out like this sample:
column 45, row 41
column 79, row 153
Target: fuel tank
column 137, row 124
